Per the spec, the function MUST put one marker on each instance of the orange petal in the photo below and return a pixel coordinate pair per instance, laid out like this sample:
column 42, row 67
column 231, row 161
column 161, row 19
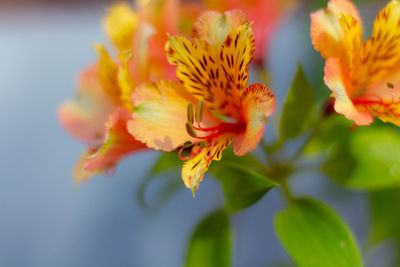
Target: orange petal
column 160, row 115
column 193, row 170
column 140, row 63
column 118, row 143
column 337, row 80
column 80, row 174
column 120, row 25
column 264, row 14
column 188, row 14
column 84, row 117
column 383, row 98
column 326, row 32
column 258, row 103
column 161, row 14
column 213, row 27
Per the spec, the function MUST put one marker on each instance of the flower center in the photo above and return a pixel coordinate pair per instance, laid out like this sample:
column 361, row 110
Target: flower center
column 207, row 136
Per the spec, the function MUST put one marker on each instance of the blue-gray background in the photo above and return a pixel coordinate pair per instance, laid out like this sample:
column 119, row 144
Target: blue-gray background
column 45, row 220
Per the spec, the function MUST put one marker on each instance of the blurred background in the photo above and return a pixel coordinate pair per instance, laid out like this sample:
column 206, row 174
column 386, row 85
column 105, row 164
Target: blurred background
column 46, row 220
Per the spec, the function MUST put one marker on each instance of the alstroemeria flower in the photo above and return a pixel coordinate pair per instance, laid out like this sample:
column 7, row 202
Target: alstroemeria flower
column 212, row 105
column 103, row 104
column 364, row 77
column 266, row 15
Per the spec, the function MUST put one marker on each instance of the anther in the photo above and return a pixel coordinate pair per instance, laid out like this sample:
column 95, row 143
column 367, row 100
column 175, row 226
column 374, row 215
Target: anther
column 187, row 144
column 390, row 85
column 203, row 144
column 190, row 112
column 190, row 130
column 199, row 111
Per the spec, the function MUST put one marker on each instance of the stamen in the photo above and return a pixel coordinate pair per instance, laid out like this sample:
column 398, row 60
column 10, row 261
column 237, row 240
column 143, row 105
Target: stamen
column 199, row 111
column 192, row 154
column 187, row 144
column 208, row 158
column 209, row 129
column 190, row 112
column 190, row 130
column 390, row 85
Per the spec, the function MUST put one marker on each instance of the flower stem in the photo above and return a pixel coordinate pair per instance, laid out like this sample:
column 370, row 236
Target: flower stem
column 286, row 193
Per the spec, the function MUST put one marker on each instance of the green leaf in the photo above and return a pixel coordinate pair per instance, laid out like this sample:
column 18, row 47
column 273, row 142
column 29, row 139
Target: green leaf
column 331, row 130
column 377, row 151
column 210, row 245
column 166, row 161
column 314, row 235
column 385, row 215
column 369, row 159
column 341, row 163
column 298, row 108
column 242, row 186
column 248, row 160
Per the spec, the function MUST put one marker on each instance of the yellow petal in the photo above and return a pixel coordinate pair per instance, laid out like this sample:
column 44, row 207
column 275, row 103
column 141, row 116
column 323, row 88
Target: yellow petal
column 326, row 32
column 352, row 40
column 120, row 25
column 219, row 80
column 108, row 74
column 160, row 115
column 193, row 170
column 127, row 85
column 380, row 55
column 258, row 103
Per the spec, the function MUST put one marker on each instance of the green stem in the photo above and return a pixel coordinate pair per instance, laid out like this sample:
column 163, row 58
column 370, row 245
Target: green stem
column 286, row 191
column 315, row 129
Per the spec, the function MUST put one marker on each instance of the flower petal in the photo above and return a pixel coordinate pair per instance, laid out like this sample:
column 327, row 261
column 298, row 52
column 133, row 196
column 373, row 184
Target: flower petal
column 193, row 170
column 213, row 27
column 383, row 98
column 84, row 117
column 127, row 85
column 120, row 25
column 326, row 32
column 117, row 144
column 160, row 114
column 337, row 80
column 80, row 174
column 258, row 103
column 141, row 62
column 108, row 74
column 218, row 80
column 380, row 55
column 264, row 14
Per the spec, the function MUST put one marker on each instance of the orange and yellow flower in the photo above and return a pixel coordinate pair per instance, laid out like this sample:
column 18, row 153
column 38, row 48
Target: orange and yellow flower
column 212, row 105
column 99, row 113
column 266, row 15
column 363, row 76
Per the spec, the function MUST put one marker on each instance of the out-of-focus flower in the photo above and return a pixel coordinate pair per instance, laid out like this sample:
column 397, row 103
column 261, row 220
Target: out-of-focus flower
column 212, row 106
column 266, row 15
column 364, row 77
column 99, row 113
